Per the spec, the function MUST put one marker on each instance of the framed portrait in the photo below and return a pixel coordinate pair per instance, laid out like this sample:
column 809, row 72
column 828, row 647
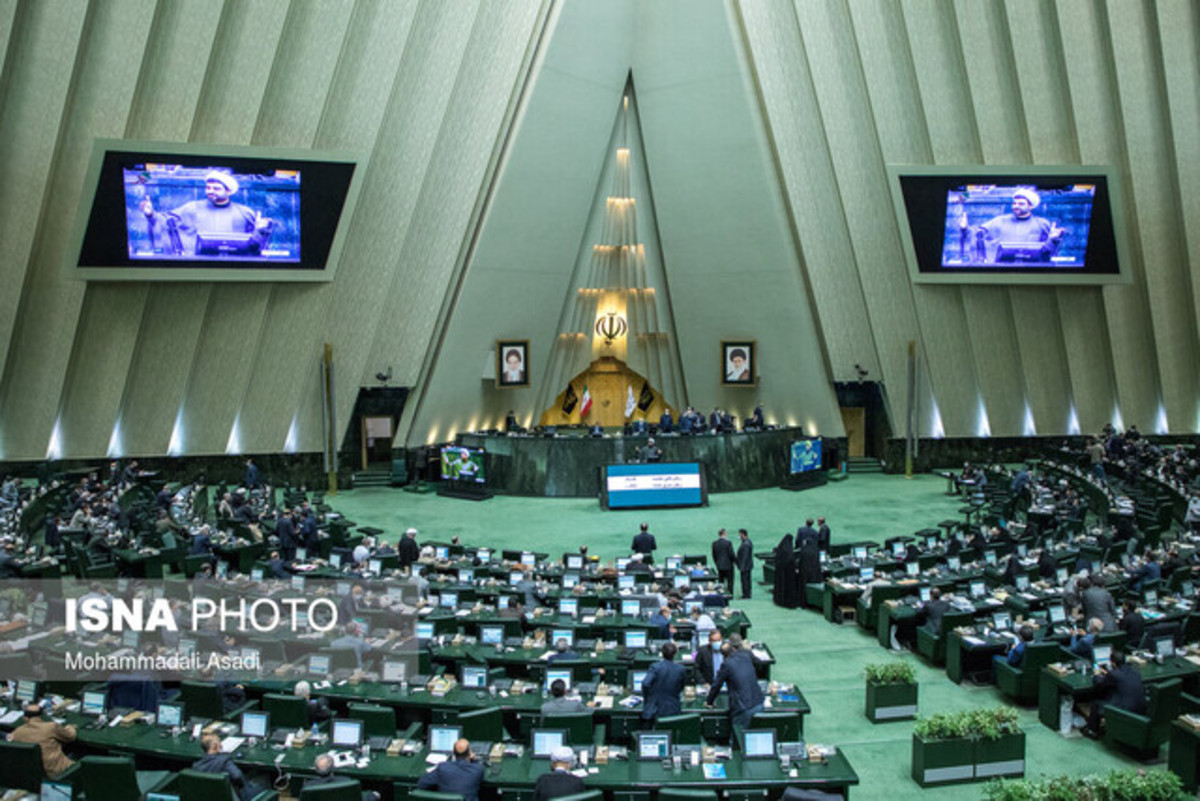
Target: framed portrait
column 512, row 363
column 738, row 364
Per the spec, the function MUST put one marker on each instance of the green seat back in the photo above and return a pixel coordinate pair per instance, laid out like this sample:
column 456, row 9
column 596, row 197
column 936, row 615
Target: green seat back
column 202, row 699
column 786, row 725
column 110, row 778
column 580, row 727
column 432, row 795
column 678, row 794
column 378, row 721
column 286, row 711
column 483, row 724
column 685, row 729
column 196, row 785
column 22, row 766
column 341, row 790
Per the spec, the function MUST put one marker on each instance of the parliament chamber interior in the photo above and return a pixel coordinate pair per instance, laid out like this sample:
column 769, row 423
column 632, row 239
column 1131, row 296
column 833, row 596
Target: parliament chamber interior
column 687, row 400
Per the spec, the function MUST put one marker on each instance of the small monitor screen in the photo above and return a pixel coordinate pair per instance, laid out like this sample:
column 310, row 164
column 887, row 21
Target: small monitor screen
column 931, row 542
column 1061, row 575
column 474, row 676
column 491, row 635
column 1151, row 597
column 568, row 606
column 443, row 738
column 186, row 646
column 1164, row 646
column 424, row 631
column 570, row 581
column 484, row 556
column 1022, row 550
column 129, row 639
column 335, row 559
column 55, row 791
column 636, row 679
column 575, row 562
column 298, row 583
column 977, row 588
column 301, row 554
column 502, row 602
column 631, row 608
column 162, row 797
column 1101, row 654
column 374, row 567
column 27, row 690
column 515, row 577
column 93, row 703
column 674, row 562
column 679, row 581
column 466, row 577
column 691, row 606
column 912, row 568
column 394, row 671
column 347, row 733
column 318, row 664
column 169, row 715
column 441, row 552
column 989, row 557
column 1187, row 589
column 250, row 656
column 759, row 744
column 860, row 553
column 1023, row 582
column 254, row 724
column 256, row 574
column 553, row 675
column 562, row 634
column 449, row 600
column 866, row 574
column 925, row 594
column 635, row 639
column 1057, row 614
column 463, row 464
column 547, row 741
column 622, row 563
column 1001, row 620
column 626, row 582
column 528, row 558
column 898, row 549
column 653, row 744
column 953, row 562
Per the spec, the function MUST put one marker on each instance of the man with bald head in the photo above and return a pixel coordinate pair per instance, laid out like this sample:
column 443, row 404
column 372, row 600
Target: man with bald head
column 323, row 767
column 460, row 774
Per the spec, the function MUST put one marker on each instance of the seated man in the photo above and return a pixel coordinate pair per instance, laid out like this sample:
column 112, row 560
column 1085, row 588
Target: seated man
column 317, row 708
column 1016, row 651
column 323, row 766
column 1125, row 691
column 460, row 774
column 49, row 736
column 562, row 650
column 214, row 761
column 352, row 640
column 559, row 704
column 559, row 782
column 1083, row 643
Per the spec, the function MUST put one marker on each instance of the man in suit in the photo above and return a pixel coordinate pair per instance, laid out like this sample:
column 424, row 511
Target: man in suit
column 661, row 620
column 562, row 650
column 349, row 605
column 1123, row 684
column 643, row 543
column 709, row 657
column 1083, row 644
column 663, row 685
column 285, row 530
column 738, row 674
column 807, row 533
column 722, row 553
column 352, row 640
column 559, row 782
column 214, row 761
column 931, row 614
column 460, row 774
column 253, row 478
column 47, row 735
column 1132, row 623
column 559, row 704
column 745, row 561
column 275, row 567
column 317, row 708
column 666, row 423
column 1097, row 602
column 407, row 550
column 309, row 533
column 323, row 767
column 823, row 534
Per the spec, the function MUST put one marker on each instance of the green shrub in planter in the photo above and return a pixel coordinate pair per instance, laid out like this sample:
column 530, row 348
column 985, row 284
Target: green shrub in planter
column 967, row 746
column 891, row 691
column 1124, row 785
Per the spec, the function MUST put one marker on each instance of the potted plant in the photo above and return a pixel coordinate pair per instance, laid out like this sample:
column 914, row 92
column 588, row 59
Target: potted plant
column 891, row 691
column 1155, row 785
column 967, row 746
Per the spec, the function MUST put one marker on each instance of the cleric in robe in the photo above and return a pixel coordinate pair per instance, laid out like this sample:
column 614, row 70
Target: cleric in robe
column 1020, row 233
column 217, row 216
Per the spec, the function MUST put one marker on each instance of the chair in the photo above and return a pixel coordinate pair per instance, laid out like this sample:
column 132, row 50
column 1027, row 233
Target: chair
column 581, row 728
column 433, row 795
column 195, row 785
column 685, row 729
column 788, row 726
column 203, row 700
column 113, row 778
column 1021, row 683
column 483, row 724
column 286, row 711
column 378, row 721
column 932, row 645
column 340, row 790
column 678, row 794
column 192, row 564
column 22, row 766
column 341, row 658
column 1143, row 734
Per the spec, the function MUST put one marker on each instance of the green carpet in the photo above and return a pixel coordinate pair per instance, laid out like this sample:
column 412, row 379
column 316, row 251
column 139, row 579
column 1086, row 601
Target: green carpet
column 826, row 660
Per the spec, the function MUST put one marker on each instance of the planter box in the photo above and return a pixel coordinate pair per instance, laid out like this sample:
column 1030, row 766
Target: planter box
column 1004, row 757
column 891, row 702
column 937, row 762
column 967, row 759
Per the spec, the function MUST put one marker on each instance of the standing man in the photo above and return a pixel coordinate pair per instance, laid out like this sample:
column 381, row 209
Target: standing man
column 407, row 550
column 807, row 533
column 823, row 535
column 253, row 478
column 709, row 658
column 643, row 543
column 745, row 561
column 662, row 686
column 745, row 697
column 722, row 553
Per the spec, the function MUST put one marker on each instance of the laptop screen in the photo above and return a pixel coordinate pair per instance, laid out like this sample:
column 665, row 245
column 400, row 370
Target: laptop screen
column 474, row 676
column 925, row 594
column 347, row 733
column 547, row 741
column 631, row 608
column 1164, row 646
column 568, row 606
column 860, row 553
column 93, row 703
column 626, row 582
column 570, row 581
column 255, row 724
column 636, row 679
column 443, row 738
column 866, row 574
column 759, row 744
column 318, row 664
column 1101, row 654
column 912, row 568
column 977, row 588
column 169, row 715
column 491, row 635
column 635, row 639
column 424, row 631
column 575, row 562
column 394, row 671
column 653, row 744
column 1057, row 614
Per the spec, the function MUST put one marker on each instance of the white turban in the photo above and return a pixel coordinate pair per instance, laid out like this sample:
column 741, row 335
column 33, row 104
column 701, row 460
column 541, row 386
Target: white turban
column 230, row 183
column 1028, row 194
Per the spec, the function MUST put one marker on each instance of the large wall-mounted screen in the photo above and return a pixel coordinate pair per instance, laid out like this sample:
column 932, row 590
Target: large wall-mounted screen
column 157, row 211
column 637, row 486
column 1009, row 225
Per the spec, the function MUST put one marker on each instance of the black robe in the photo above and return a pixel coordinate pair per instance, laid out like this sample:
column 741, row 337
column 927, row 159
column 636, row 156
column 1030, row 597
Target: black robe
column 787, row 590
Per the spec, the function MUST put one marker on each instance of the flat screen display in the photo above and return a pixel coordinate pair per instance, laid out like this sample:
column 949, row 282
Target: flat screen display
column 633, row 486
column 169, row 211
column 347, row 733
column 998, row 224
column 805, row 456
column 463, row 464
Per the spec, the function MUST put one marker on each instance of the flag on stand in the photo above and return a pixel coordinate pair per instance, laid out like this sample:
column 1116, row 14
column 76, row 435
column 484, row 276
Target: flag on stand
column 569, row 400
column 587, row 402
column 630, row 403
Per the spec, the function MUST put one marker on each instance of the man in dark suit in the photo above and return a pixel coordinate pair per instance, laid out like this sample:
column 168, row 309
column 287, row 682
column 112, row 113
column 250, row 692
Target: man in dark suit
column 253, row 478
column 460, row 774
column 285, row 530
column 807, row 533
column 722, row 553
column 823, row 534
column 348, row 605
column 559, row 782
column 1132, row 623
column 275, row 567
column 930, row 615
column 1123, row 684
column 407, row 550
column 666, row 423
column 745, row 561
column 738, row 674
column 663, row 685
column 214, row 761
column 709, row 657
column 643, row 543
column 323, row 766
column 1097, row 602
column 309, row 533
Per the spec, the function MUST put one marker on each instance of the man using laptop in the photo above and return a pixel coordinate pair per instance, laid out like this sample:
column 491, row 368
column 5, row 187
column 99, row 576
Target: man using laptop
column 459, row 774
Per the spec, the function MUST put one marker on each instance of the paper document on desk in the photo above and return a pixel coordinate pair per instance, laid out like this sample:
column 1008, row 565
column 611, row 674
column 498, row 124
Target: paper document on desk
column 436, row 759
column 11, row 717
column 231, row 744
column 973, row 640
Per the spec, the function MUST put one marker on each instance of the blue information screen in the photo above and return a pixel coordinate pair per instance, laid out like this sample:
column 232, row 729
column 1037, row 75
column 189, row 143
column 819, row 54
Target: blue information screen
column 630, row 486
column 805, row 455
